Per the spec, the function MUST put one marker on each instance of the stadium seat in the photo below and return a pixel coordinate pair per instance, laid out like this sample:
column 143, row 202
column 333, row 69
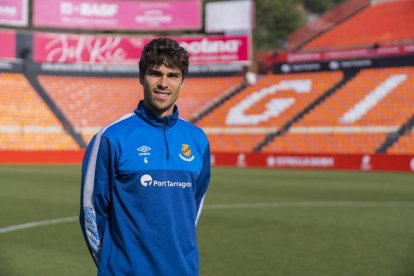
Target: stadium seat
column 234, row 143
column 244, row 120
column 375, row 97
column 199, row 93
column 326, row 143
column 93, row 102
column 404, row 145
column 357, row 117
column 383, row 23
column 27, row 123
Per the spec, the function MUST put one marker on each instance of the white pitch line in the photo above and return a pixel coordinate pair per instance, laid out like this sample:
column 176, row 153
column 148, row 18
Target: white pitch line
column 311, row 204
column 36, row 224
column 305, row 204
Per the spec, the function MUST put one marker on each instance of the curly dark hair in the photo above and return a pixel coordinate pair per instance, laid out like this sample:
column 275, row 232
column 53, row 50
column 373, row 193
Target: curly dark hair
column 164, row 51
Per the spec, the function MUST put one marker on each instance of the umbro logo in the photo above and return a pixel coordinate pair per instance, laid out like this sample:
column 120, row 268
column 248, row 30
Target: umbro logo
column 144, row 150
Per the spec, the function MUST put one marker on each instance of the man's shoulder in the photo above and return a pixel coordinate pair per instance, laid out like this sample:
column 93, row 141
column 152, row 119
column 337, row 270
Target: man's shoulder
column 117, row 126
column 194, row 131
column 190, row 126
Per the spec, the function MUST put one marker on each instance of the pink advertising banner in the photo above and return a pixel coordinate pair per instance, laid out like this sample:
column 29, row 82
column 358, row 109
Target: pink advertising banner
column 13, row 12
column 109, row 49
column 118, row 15
column 216, row 49
column 65, row 48
column 8, row 44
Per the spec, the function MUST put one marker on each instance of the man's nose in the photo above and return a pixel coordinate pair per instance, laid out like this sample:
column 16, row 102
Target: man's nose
column 163, row 81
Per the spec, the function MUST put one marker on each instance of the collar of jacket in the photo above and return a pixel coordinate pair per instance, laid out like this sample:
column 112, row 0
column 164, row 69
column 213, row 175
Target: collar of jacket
column 159, row 122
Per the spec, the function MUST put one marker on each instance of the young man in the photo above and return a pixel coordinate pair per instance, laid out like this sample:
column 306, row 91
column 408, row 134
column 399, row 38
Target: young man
column 144, row 178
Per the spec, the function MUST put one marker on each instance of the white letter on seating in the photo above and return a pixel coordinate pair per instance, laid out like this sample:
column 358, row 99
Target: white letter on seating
column 370, row 100
column 237, row 114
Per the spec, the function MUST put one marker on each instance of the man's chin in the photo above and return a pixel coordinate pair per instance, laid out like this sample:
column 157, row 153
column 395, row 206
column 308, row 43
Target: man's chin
column 161, row 110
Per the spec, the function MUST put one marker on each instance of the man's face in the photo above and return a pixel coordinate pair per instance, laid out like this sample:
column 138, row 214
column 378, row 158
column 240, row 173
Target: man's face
column 162, row 85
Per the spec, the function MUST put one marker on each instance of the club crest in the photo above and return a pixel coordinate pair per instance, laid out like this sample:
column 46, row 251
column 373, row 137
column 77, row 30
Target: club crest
column 186, row 153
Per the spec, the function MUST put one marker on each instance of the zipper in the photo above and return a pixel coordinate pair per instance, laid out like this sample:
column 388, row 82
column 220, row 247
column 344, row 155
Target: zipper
column 164, row 129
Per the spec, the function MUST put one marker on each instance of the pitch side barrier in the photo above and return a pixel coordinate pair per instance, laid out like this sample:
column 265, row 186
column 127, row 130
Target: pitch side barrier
column 361, row 162
column 125, row 70
column 8, row 66
column 354, row 59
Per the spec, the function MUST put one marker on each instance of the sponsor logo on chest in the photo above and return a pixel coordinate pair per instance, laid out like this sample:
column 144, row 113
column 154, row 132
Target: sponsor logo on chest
column 148, row 181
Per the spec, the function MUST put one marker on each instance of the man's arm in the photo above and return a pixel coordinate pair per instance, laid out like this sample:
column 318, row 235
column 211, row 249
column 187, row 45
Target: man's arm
column 203, row 182
column 97, row 178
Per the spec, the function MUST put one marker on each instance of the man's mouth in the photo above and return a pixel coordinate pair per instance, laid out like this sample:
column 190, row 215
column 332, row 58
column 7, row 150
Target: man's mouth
column 162, row 94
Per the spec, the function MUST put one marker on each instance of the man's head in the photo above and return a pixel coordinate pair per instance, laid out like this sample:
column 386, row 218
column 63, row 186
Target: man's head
column 164, row 51
column 163, row 67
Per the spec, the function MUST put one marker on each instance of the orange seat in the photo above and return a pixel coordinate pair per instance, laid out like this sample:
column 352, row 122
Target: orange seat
column 404, row 145
column 383, row 23
column 27, row 123
column 357, row 118
column 353, row 104
column 234, row 143
column 257, row 99
column 92, row 102
column 327, row 143
column 292, row 92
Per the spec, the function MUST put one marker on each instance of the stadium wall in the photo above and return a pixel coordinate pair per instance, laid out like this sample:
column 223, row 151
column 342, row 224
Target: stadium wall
column 362, row 162
column 387, row 56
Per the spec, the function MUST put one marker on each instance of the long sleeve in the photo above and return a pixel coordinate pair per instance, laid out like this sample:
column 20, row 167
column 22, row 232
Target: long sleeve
column 98, row 175
column 203, row 181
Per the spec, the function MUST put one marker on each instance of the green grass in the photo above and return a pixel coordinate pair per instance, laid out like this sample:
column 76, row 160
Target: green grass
column 280, row 236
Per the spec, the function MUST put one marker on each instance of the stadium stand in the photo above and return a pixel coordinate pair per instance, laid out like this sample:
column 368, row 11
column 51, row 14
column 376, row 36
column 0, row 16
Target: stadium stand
column 245, row 119
column 90, row 103
column 342, row 110
column 235, row 142
column 93, row 102
column 26, row 121
column 382, row 23
column 404, row 145
column 375, row 97
column 326, row 142
column 357, row 117
column 200, row 93
column 325, row 22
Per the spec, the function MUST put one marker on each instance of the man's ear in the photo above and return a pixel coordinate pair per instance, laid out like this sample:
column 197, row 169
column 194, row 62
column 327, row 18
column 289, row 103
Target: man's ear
column 182, row 84
column 141, row 80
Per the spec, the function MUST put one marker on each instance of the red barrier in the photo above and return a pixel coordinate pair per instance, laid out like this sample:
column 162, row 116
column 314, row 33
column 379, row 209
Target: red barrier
column 365, row 162
column 41, row 157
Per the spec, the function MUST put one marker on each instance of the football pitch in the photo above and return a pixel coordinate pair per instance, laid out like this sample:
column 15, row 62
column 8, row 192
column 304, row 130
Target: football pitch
column 255, row 222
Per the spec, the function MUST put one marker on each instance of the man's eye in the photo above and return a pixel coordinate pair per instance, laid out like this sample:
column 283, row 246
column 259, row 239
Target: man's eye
column 153, row 73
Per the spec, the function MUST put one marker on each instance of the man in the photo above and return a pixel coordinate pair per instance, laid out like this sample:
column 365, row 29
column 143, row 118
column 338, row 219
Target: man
column 144, row 178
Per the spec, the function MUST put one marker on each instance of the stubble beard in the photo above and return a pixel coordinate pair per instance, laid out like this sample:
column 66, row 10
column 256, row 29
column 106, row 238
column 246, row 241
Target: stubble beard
column 160, row 109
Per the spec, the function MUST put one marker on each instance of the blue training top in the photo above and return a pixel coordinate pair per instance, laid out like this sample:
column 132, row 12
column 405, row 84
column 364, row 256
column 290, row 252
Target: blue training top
column 143, row 184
